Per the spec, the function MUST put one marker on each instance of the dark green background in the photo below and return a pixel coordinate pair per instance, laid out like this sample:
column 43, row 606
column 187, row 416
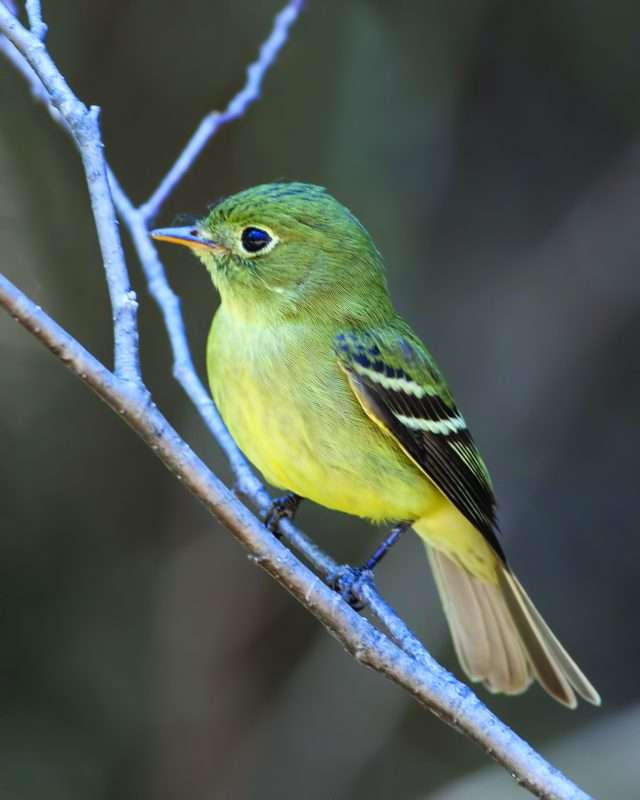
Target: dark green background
column 491, row 149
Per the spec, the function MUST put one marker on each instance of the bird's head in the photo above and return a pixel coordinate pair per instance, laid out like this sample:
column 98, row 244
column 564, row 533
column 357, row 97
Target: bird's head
column 285, row 248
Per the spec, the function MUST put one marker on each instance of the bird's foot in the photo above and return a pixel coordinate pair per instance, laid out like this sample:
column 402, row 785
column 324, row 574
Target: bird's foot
column 345, row 581
column 284, row 507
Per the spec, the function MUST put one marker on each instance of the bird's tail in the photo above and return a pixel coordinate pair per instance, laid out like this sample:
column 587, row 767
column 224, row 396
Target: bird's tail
column 500, row 637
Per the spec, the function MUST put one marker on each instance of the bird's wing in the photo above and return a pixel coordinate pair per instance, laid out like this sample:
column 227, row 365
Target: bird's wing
column 401, row 389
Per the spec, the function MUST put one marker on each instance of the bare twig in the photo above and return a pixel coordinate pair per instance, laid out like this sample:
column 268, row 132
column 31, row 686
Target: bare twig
column 236, row 108
column 85, row 130
column 36, row 23
column 401, row 657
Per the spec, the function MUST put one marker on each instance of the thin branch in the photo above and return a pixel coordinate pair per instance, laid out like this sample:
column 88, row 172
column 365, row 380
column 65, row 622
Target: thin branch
column 408, row 664
column 431, row 685
column 38, row 92
column 36, row 23
column 213, row 121
column 85, row 130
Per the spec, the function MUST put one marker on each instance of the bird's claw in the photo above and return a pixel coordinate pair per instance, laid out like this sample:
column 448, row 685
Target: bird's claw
column 345, row 581
column 283, row 507
column 348, row 581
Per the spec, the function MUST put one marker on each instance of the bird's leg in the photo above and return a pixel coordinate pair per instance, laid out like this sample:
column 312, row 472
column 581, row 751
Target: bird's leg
column 385, row 546
column 344, row 579
column 284, row 507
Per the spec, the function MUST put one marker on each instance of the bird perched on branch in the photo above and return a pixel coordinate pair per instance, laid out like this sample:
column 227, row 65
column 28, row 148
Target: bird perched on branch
column 334, row 398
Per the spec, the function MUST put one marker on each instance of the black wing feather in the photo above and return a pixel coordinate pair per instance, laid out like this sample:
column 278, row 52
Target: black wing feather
column 450, row 460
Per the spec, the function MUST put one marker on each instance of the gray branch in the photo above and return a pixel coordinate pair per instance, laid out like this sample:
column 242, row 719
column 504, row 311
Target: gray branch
column 397, row 654
column 83, row 125
column 213, row 121
column 36, row 23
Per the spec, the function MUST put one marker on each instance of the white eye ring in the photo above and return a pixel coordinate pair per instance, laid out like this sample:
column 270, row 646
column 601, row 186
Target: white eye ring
column 265, row 247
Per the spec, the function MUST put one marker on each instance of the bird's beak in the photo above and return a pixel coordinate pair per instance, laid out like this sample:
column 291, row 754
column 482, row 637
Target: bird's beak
column 187, row 237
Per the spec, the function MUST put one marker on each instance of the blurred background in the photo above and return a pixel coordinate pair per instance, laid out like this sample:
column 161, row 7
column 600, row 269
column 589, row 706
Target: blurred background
column 493, row 151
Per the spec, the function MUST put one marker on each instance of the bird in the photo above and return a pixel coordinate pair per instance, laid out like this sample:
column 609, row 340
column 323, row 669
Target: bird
column 333, row 397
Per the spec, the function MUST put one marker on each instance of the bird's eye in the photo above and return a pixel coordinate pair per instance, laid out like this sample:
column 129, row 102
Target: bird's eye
column 255, row 239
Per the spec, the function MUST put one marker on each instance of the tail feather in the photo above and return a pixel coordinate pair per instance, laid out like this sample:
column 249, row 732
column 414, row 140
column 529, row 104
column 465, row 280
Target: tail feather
column 500, row 637
column 559, row 655
column 510, row 663
column 463, row 614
